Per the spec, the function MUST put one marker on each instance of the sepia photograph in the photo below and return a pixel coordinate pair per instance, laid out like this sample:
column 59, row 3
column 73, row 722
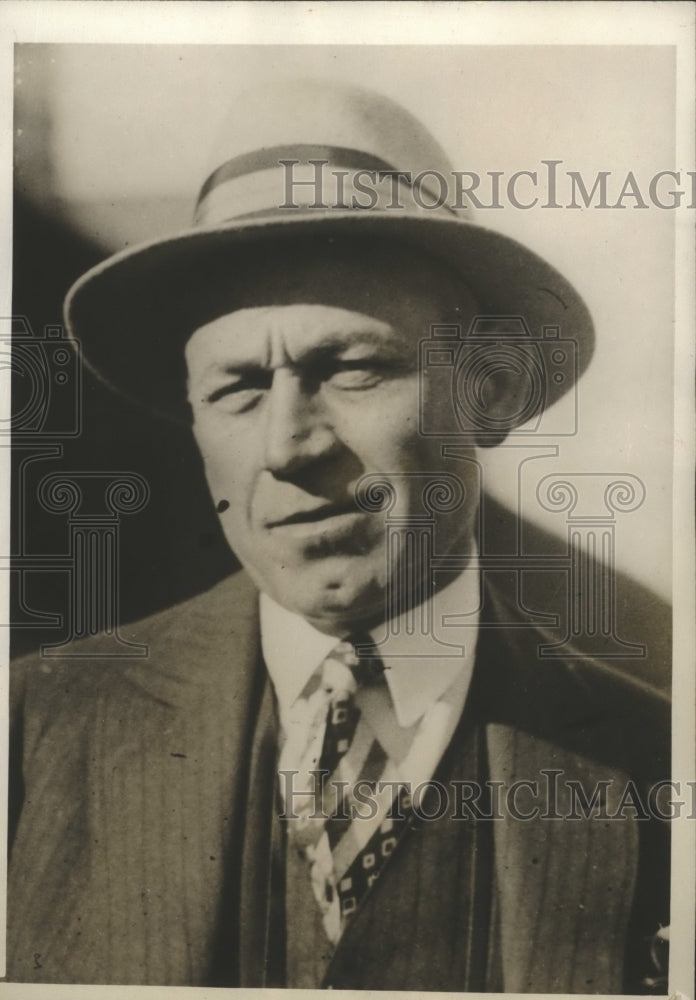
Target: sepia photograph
column 346, row 464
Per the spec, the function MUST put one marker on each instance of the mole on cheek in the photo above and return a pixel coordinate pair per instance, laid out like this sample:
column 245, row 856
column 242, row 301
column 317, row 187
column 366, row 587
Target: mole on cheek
column 222, row 506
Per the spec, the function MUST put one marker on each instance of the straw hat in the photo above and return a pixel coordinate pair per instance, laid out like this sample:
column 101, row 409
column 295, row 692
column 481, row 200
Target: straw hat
column 303, row 160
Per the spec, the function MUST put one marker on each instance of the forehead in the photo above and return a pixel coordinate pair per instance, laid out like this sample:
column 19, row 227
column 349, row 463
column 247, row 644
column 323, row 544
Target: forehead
column 318, row 299
column 265, row 335
column 383, row 281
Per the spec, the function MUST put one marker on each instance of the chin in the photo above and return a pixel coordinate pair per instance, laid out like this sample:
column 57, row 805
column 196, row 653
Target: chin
column 335, row 599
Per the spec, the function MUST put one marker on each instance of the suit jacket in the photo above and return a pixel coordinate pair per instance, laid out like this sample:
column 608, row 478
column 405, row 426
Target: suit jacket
column 144, row 800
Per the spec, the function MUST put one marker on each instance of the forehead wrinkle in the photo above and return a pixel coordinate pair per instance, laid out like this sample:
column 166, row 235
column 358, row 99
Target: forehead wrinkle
column 217, row 338
column 334, row 341
column 271, row 337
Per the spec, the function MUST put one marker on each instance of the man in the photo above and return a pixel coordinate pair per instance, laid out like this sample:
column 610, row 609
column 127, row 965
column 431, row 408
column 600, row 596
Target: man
column 260, row 801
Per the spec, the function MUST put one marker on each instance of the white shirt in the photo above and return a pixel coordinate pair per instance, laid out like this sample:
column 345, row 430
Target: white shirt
column 428, row 672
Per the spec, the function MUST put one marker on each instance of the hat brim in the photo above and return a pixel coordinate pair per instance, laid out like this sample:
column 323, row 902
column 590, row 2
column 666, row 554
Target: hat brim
column 133, row 313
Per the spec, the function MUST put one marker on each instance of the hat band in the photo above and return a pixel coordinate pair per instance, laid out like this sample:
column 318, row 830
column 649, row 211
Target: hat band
column 266, row 158
column 320, row 178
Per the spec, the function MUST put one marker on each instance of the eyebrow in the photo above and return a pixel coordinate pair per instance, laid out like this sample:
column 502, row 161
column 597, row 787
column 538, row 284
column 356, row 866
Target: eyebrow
column 331, row 345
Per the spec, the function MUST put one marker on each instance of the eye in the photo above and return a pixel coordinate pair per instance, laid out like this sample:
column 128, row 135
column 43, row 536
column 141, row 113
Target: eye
column 361, row 377
column 362, row 373
column 240, row 392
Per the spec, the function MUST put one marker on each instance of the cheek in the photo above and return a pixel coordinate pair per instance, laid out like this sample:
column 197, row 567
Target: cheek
column 396, row 444
column 383, row 429
column 226, row 463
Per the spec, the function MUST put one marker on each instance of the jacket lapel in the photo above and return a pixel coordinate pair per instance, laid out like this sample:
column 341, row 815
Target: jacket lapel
column 199, row 735
column 138, row 776
column 168, row 743
column 262, row 911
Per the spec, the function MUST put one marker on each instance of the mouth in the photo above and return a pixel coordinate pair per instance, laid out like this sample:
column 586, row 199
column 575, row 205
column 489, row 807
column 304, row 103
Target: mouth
column 315, row 515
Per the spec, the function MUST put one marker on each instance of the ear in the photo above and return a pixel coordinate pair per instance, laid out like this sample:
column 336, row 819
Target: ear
column 500, row 386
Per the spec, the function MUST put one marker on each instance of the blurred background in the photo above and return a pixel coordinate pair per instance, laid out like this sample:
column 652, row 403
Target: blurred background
column 112, row 143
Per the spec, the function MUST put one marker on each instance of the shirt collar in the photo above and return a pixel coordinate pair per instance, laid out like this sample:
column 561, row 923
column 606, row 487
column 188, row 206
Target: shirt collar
column 293, row 649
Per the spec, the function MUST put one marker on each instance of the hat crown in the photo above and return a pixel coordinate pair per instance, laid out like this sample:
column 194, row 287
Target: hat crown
column 305, row 144
column 316, row 112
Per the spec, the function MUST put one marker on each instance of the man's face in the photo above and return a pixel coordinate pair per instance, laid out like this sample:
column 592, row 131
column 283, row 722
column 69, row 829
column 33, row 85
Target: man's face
column 293, row 402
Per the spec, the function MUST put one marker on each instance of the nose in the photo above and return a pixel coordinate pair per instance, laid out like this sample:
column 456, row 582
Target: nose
column 298, row 432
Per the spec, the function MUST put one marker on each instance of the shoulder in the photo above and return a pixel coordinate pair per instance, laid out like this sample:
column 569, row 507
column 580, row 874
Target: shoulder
column 169, row 645
column 583, row 662
column 607, row 616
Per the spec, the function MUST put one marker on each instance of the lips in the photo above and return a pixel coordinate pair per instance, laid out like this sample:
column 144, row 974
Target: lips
column 313, row 515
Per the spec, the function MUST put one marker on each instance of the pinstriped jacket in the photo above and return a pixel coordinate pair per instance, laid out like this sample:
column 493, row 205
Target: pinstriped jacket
column 143, row 795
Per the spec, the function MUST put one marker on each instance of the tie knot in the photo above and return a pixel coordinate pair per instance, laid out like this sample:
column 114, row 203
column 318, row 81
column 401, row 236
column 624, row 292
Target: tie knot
column 346, row 667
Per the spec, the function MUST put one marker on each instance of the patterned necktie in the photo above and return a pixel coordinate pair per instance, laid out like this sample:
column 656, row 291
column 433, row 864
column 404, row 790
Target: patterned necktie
column 346, row 847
